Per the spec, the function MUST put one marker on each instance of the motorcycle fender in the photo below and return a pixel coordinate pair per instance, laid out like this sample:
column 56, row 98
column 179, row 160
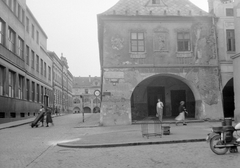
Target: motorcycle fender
column 210, row 135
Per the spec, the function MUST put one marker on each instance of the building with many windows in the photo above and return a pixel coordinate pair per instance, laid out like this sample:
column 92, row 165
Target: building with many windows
column 25, row 67
column 62, row 84
column 152, row 49
column 84, row 94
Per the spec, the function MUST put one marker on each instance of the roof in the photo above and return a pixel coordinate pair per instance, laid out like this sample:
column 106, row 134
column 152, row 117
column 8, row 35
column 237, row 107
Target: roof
column 163, row 8
column 85, row 81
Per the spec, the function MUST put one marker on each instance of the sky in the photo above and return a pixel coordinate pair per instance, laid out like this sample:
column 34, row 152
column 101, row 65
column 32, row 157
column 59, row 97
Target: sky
column 71, row 27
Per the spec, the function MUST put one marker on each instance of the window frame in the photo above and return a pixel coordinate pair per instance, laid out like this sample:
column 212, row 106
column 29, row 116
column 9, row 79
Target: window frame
column 20, row 47
column 183, row 42
column 230, row 40
column 33, row 59
column 11, row 39
column 2, row 32
column 137, row 40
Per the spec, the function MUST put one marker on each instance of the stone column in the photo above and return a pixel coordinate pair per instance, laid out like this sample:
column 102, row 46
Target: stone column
column 236, row 61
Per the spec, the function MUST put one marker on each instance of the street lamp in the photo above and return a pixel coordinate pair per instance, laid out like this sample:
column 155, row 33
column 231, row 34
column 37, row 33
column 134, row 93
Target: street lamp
column 81, row 97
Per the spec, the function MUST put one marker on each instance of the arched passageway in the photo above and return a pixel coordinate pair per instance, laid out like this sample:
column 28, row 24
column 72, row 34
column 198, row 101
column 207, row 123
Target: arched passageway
column 87, row 110
column 96, row 110
column 76, row 110
column 228, row 99
column 169, row 89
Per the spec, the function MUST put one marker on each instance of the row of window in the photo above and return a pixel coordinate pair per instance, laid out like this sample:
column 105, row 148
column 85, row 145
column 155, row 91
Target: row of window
column 36, row 62
column 18, row 11
column 18, row 85
column 161, row 41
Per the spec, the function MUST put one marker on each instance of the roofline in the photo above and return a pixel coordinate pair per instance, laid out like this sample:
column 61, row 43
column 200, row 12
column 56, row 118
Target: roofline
column 29, row 11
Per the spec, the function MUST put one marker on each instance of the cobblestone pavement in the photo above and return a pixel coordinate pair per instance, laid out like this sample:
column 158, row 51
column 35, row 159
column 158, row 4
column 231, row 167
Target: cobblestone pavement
column 26, row 147
column 188, row 155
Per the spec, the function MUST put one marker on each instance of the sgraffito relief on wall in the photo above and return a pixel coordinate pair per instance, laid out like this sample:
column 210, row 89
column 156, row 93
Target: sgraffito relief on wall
column 160, row 39
column 206, row 80
column 203, row 43
column 117, row 42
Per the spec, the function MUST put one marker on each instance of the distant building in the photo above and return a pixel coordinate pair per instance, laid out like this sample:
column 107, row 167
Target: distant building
column 62, row 84
column 152, row 49
column 25, row 67
column 83, row 93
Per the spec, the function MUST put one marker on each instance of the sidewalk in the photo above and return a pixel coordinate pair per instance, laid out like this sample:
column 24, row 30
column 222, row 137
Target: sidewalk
column 129, row 135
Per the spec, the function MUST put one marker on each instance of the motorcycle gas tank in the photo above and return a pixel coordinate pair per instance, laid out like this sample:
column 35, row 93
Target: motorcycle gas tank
column 237, row 127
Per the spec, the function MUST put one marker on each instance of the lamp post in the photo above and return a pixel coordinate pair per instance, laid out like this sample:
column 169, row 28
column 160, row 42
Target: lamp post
column 81, row 97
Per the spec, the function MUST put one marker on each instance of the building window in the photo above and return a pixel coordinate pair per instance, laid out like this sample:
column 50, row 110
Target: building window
column 20, row 86
column 38, row 92
column 45, row 69
column 33, row 31
column 2, row 31
column 23, row 16
column 229, row 12
column 137, row 42
column 41, row 67
column 20, row 47
column 28, row 89
column 19, row 12
column 37, row 64
column 33, row 91
column 11, row 39
column 1, row 80
column 49, row 73
column 86, row 91
column 15, row 6
column 37, row 37
column 27, row 54
column 11, row 84
column 230, row 40
column 27, row 24
column 183, row 41
column 42, row 94
column 33, row 55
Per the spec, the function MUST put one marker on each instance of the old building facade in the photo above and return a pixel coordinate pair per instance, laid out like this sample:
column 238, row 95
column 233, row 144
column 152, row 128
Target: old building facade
column 62, row 84
column 25, row 67
column 152, row 49
column 84, row 93
column 223, row 12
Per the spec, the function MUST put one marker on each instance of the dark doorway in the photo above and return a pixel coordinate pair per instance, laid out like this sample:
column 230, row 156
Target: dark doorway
column 228, row 99
column 176, row 97
column 154, row 93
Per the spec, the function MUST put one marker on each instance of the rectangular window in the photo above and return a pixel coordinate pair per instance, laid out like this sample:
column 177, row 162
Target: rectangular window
column 11, row 83
column 11, row 39
column 42, row 94
column 137, row 42
column 20, row 47
column 2, row 31
column 37, row 37
column 27, row 24
column 33, row 91
column 86, row 91
column 41, row 67
column 45, row 69
column 19, row 11
column 15, row 6
column 27, row 54
column 229, row 12
column 23, row 16
column 183, row 41
column 32, row 62
column 49, row 73
column 37, row 64
column 230, row 40
column 38, row 92
column 1, row 79
column 28, row 89
column 20, row 86
column 33, row 31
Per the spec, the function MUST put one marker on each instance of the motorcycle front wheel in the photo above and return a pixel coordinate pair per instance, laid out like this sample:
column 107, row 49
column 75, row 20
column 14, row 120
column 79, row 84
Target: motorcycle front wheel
column 216, row 140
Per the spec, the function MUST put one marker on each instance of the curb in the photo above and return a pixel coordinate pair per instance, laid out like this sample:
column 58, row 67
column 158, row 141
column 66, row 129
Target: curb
column 69, row 145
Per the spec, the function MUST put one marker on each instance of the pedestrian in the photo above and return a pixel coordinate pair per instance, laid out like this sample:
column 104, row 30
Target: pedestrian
column 49, row 116
column 42, row 110
column 182, row 110
column 159, row 108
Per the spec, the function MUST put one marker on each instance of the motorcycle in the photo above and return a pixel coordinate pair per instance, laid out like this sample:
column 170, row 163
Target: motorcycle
column 223, row 139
